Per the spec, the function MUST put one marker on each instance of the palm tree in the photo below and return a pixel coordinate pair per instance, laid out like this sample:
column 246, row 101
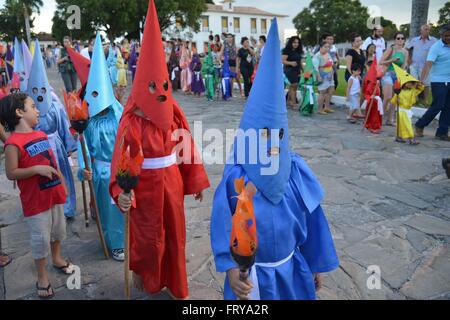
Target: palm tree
column 419, row 16
column 29, row 7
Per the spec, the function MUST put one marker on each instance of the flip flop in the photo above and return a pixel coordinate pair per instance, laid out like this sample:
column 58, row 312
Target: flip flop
column 67, row 269
column 47, row 290
column 7, row 263
column 399, row 140
column 414, row 142
column 353, row 121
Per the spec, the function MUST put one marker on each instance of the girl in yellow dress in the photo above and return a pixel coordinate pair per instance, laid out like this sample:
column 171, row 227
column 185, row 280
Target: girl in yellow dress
column 409, row 89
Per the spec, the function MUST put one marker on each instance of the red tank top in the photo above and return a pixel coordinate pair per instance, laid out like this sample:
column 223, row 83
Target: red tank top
column 37, row 193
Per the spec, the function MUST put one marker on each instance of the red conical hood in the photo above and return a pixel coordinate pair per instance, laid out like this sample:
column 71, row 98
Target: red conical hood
column 152, row 92
column 81, row 64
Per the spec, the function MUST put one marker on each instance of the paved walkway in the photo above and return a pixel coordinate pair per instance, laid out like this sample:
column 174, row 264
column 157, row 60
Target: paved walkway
column 388, row 206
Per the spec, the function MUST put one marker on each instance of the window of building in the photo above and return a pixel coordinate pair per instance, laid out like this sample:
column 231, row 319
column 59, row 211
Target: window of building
column 253, row 25
column 264, row 26
column 205, row 24
column 224, row 24
column 237, row 25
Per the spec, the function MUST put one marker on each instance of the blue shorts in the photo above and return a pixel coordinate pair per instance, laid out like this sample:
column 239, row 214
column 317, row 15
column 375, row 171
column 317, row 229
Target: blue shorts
column 389, row 78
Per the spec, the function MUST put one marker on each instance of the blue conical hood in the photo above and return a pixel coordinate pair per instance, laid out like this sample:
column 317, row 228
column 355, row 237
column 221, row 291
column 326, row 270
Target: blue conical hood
column 18, row 65
column 266, row 109
column 27, row 60
column 99, row 89
column 38, row 87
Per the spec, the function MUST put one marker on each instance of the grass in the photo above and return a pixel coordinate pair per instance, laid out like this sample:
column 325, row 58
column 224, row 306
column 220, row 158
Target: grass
column 342, row 85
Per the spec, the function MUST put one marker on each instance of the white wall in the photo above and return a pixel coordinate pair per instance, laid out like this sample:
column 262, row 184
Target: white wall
column 215, row 25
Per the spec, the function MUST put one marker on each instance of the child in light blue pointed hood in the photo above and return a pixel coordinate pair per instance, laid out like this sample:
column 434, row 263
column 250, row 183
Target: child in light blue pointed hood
column 54, row 122
column 27, row 60
column 105, row 113
column 112, row 64
column 295, row 243
column 19, row 67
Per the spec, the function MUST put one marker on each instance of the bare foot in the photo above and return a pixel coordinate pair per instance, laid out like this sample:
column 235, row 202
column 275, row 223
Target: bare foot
column 138, row 283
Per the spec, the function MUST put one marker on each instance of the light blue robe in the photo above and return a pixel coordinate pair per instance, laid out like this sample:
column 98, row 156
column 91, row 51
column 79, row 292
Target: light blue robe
column 100, row 137
column 55, row 124
column 296, row 225
column 112, row 67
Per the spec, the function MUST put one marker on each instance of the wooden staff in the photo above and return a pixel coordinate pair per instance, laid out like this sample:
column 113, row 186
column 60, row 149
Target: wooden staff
column 127, row 255
column 86, row 217
column 93, row 199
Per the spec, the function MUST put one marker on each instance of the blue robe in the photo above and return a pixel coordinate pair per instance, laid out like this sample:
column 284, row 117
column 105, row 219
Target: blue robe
column 100, row 137
column 55, row 124
column 112, row 68
column 297, row 225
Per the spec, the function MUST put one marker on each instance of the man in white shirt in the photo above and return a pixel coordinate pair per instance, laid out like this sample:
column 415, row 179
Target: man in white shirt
column 378, row 40
column 88, row 50
column 418, row 48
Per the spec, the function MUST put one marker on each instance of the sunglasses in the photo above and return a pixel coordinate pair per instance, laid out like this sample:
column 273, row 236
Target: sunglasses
column 400, row 38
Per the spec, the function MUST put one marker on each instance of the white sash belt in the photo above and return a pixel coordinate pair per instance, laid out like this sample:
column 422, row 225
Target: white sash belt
column 254, row 294
column 159, row 163
column 408, row 112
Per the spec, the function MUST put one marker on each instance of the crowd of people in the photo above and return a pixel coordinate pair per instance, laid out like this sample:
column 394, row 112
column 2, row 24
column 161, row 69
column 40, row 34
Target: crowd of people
column 423, row 61
column 125, row 140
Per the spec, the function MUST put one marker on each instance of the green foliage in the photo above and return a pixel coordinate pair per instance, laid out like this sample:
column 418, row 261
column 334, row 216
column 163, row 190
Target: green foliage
column 12, row 18
column 118, row 17
column 340, row 17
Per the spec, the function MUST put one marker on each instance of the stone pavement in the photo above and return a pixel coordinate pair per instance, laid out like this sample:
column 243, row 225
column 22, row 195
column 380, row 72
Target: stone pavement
column 388, row 206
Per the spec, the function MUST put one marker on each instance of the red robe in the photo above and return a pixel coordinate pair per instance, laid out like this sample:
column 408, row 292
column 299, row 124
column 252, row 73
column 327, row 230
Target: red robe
column 157, row 223
column 373, row 116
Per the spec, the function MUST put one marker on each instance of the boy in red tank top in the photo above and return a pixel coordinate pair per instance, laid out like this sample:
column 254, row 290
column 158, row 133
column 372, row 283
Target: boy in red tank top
column 30, row 160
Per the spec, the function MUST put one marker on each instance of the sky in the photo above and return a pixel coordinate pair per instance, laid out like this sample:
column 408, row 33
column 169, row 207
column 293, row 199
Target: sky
column 398, row 11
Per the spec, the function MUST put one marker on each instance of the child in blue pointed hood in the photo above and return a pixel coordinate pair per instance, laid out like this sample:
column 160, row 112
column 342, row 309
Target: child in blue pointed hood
column 105, row 112
column 54, row 122
column 295, row 243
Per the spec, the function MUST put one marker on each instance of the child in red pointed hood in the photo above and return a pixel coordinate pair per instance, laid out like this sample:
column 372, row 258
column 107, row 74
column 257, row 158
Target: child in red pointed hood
column 157, row 223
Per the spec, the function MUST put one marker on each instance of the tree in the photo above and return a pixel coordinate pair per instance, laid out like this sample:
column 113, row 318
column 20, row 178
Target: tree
column 118, row 17
column 15, row 18
column 390, row 28
column 29, row 7
column 419, row 16
column 340, row 17
column 405, row 28
column 186, row 12
column 444, row 18
column 12, row 21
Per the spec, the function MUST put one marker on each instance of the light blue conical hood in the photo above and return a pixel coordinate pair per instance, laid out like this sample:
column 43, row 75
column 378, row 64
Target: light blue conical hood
column 18, row 65
column 38, row 87
column 27, row 59
column 99, row 81
column 266, row 108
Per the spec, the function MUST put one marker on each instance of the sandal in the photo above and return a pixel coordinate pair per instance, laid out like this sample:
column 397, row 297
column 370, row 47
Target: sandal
column 351, row 120
column 49, row 296
column 400, row 140
column 328, row 110
column 414, row 142
column 8, row 262
column 67, row 269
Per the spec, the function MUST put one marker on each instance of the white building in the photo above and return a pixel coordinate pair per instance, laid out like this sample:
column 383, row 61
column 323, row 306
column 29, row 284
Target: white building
column 240, row 21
